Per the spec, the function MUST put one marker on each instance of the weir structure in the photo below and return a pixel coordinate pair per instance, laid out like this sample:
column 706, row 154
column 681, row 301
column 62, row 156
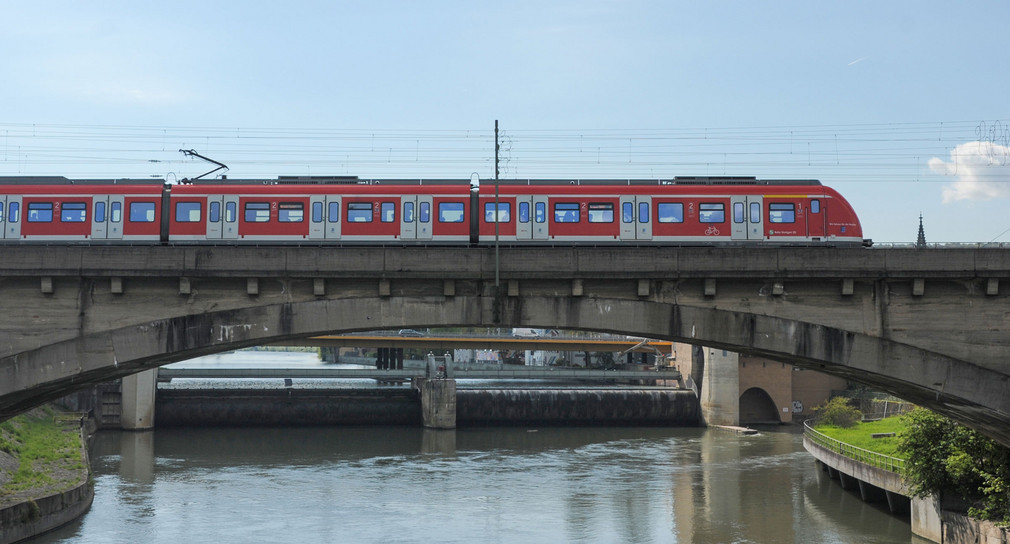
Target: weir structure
column 928, row 325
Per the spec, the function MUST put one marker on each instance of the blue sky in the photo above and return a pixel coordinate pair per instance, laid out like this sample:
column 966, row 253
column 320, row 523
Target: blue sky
column 899, row 105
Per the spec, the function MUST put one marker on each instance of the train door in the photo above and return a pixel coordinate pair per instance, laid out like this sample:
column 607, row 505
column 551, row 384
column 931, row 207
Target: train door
column 524, row 217
column 100, row 217
column 229, row 219
column 748, row 220
column 317, row 217
column 114, row 220
column 539, row 225
column 331, row 212
column 215, row 216
column 408, row 218
column 12, row 219
column 636, row 217
column 423, row 217
column 816, row 218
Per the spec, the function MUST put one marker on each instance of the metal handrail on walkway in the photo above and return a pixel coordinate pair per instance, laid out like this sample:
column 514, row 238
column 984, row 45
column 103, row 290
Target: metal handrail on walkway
column 872, row 458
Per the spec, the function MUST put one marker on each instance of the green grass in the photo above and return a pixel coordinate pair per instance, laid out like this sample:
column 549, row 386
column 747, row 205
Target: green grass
column 41, row 445
column 860, row 435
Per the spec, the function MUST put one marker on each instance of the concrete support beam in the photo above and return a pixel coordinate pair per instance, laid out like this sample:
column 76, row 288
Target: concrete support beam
column 252, row 286
column 577, row 289
column 871, row 493
column 710, row 287
column 926, row 522
column 319, row 287
column 643, row 288
column 897, row 503
column 438, row 403
column 918, row 287
column 847, row 482
column 47, row 285
column 992, row 287
column 138, row 391
column 116, row 285
column 513, row 288
column 449, row 288
column 384, row 288
column 848, row 287
column 185, row 287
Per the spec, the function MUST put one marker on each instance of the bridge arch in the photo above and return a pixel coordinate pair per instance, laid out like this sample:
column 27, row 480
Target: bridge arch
column 95, row 355
column 757, row 406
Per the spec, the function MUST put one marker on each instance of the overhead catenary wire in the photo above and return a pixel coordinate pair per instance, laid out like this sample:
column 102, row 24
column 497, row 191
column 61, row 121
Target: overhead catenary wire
column 869, row 153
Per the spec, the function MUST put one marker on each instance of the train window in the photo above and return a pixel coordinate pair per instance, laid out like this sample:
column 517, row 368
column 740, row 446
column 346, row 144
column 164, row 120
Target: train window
column 566, row 212
column 12, row 212
column 359, row 212
column 334, row 213
column 116, row 215
column 628, row 212
column 504, row 212
column 317, row 212
column 257, row 212
column 815, row 206
column 74, row 212
column 782, row 213
column 601, row 212
column 738, row 212
column 387, row 212
column 450, row 212
column 643, row 212
column 712, row 212
column 524, row 212
column 230, row 211
column 214, row 212
column 142, row 212
column 755, row 212
column 1, row 212
column 188, row 212
column 408, row 212
column 40, row 212
column 540, row 212
column 291, row 212
column 424, row 212
column 100, row 212
column 670, row 212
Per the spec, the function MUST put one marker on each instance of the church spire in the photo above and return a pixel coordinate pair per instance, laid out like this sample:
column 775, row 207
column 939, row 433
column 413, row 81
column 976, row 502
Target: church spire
column 921, row 241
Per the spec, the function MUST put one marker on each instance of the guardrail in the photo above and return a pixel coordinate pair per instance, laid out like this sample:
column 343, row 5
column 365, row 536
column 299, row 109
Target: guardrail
column 872, row 458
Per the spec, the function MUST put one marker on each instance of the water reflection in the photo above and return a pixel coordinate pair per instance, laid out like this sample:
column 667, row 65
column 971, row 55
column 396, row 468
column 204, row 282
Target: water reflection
column 393, row 484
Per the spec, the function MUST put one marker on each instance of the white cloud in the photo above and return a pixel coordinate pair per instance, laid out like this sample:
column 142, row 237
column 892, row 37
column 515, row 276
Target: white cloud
column 981, row 169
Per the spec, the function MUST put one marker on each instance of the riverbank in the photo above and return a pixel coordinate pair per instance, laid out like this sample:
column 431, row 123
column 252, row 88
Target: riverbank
column 44, row 473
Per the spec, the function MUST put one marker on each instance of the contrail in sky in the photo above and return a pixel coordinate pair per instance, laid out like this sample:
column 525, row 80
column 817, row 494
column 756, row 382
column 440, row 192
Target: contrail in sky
column 857, row 61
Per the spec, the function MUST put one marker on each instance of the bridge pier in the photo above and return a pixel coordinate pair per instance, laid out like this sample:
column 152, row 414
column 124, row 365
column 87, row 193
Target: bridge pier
column 138, row 391
column 438, row 402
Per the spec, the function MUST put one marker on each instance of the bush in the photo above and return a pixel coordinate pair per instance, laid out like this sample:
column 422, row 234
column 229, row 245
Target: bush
column 838, row 412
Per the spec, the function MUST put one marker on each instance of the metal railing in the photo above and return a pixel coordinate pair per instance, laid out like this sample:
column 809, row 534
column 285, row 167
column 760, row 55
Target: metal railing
column 867, row 457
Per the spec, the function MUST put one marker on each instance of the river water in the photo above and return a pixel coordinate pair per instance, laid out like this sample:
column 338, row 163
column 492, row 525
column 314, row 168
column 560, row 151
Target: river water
column 525, row 485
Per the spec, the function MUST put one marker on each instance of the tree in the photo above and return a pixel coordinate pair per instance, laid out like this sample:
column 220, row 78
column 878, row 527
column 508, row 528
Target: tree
column 943, row 457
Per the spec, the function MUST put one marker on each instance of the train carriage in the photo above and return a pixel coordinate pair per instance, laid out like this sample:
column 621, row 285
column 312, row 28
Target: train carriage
column 682, row 211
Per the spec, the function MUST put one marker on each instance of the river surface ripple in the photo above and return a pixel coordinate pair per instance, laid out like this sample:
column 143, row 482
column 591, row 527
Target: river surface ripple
column 525, row 485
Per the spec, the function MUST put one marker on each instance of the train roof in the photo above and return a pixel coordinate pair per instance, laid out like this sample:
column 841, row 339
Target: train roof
column 354, row 180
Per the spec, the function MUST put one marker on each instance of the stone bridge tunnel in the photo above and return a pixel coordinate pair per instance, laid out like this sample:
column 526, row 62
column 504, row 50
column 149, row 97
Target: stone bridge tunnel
column 929, row 325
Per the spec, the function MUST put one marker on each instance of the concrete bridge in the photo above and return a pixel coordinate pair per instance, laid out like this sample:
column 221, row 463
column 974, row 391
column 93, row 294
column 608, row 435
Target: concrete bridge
column 928, row 325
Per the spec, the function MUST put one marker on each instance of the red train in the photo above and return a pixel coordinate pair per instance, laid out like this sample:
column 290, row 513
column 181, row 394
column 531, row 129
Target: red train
column 681, row 211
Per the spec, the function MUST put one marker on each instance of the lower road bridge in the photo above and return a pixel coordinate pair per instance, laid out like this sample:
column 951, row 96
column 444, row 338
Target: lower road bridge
column 928, row 325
